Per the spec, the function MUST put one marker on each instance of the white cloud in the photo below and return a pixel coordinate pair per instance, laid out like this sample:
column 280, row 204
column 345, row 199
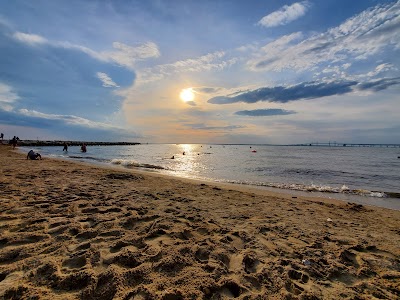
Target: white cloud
column 285, row 15
column 211, row 61
column 7, row 97
column 123, row 55
column 381, row 68
column 127, row 55
column 31, row 39
column 106, row 80
column 359, row 37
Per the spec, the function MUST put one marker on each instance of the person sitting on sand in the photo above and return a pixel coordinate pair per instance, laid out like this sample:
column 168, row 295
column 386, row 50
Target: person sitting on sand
column 33, row 155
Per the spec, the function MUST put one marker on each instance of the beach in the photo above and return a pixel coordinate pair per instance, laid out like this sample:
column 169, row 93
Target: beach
column 71, row 230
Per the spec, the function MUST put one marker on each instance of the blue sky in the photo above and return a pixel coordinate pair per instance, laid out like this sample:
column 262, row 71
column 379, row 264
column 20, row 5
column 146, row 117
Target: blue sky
column 255, row 71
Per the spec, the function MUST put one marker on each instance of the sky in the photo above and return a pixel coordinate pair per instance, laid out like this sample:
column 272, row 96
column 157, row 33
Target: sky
column 218, row 71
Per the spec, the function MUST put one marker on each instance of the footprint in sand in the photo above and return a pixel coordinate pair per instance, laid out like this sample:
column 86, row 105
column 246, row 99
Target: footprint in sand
column 75, row 262
column 226, row 289
column 296, row 281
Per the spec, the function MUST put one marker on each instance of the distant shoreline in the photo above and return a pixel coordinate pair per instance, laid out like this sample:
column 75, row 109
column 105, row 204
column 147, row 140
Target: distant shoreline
column 34, row 143
column 79, row 143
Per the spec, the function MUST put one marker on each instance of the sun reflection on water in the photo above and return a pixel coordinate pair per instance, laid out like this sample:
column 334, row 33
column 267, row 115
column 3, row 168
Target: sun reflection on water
column 187, row 162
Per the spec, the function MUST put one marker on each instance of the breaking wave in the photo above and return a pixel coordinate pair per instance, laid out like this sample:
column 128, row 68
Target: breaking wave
column 321, row 188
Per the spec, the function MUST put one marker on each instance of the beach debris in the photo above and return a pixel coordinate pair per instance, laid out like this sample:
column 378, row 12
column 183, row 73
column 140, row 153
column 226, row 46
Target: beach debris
column 306, row 262
column 329, row 220
column 355, row 206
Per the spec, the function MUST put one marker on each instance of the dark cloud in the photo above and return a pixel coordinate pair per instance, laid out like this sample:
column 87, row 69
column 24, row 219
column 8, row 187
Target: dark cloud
column 379, row 85
column 318, row 48
column 191, row 103
column 207, row 90
column 305, row 90
column 264, row 112
column 262, row 64
column 212, row 128
column 282, row 94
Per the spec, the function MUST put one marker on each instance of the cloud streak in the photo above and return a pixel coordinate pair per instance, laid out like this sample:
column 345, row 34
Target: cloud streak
column 264, row 112
column 68, row 119
column 285, row 15
column 106, row 80
column 31, row 39
column 122, row 54
column 214, row 128
column 77, row 126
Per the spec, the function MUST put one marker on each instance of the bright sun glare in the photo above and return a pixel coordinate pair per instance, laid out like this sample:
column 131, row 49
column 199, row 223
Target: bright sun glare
column 187, row 95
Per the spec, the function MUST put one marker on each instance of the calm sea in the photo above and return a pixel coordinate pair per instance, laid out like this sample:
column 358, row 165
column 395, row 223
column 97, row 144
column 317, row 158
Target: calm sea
column 366, row 175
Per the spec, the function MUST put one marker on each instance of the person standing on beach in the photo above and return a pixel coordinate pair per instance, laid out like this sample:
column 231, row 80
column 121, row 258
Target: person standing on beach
column 2, row 136
column 14, row 142
column 65, row 147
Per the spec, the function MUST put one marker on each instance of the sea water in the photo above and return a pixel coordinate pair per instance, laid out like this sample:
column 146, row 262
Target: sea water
column 366, row 175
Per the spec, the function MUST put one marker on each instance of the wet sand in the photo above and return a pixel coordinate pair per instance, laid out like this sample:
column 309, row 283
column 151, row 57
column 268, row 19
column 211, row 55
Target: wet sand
column 74, row 231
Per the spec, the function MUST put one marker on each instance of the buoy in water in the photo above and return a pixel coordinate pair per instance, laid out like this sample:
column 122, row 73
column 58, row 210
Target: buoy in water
column 254, row 151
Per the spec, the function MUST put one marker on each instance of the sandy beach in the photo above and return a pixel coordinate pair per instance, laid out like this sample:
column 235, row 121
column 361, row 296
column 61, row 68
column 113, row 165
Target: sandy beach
column 74, row 231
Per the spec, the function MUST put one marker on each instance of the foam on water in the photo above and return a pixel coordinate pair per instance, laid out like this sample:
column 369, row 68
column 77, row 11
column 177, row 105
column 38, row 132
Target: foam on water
column 124, row 162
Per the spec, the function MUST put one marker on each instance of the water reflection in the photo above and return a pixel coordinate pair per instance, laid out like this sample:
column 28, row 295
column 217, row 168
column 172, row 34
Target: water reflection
column 187, row 162
column 186, row 148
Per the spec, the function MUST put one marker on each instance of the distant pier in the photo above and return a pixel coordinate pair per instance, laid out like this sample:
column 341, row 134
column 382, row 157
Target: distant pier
column 335, row 144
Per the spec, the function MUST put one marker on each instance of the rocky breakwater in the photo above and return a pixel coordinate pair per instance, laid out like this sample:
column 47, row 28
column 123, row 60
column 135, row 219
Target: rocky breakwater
column 72, row 143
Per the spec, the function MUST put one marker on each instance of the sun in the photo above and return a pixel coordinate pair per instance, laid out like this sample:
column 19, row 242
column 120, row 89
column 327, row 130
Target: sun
column 187, row 95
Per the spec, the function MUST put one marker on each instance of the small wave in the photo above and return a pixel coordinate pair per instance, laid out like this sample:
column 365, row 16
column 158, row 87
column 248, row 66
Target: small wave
column 316, row 188
column 86, row 157
column 134, row 164
column 125, row 162
column 369, row 193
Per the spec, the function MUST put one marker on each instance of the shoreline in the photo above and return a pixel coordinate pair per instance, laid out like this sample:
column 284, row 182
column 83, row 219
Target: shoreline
column 72, row 230
column 390, row 200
